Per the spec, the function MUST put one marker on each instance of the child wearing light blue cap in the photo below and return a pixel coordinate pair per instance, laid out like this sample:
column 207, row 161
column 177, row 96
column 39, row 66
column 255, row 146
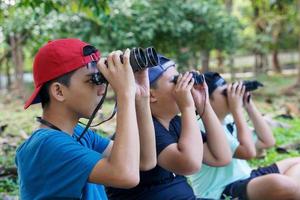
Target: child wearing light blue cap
column 180, row 146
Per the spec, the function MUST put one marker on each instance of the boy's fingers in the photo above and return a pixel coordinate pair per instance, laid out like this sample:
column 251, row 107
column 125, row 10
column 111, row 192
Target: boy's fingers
column 116, row 58
column 126, row 58
column 102, row 66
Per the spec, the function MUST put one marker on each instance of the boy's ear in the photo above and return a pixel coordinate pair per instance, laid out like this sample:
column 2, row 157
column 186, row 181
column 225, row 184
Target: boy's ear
column 152, row 96
column 56, row 91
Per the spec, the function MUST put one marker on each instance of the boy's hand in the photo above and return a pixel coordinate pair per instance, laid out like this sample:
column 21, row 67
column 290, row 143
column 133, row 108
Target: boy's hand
column 119, row 75
column 235, row 94
column 200, row 95
column 142, row 84
column 182, row 91
column 248, row 103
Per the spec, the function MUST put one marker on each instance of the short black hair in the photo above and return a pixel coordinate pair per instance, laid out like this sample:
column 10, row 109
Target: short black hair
column 44, row 92
column 154, row 85
column 213, row 81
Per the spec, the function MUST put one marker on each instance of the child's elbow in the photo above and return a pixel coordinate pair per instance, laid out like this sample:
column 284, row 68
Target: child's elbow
column 188, row 168
column 270, row 143
column 220, row 162
column 130, row 180
column 226, row 157
column 146, row 166
column 224, row 161
column 192, row 167
column 250, row 154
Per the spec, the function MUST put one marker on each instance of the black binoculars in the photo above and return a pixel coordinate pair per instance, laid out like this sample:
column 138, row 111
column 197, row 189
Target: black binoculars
column 249, row 86
column 199, row 78
column 139, row 59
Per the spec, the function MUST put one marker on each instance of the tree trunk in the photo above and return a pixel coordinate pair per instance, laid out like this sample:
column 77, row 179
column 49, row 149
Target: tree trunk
column 258, row 64
column 1, row 76
column 276, row 64
column 18, row 62
column 220, row 61
column 277, row 29
column 205, row 60
column 7, row 73
column 228, row 4
column 261, row 62
column 231, row 66
column 298, row 79
column 261, row 59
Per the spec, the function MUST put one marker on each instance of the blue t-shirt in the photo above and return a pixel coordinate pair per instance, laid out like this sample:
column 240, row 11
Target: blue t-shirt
column 158, row 183
column 53, row 165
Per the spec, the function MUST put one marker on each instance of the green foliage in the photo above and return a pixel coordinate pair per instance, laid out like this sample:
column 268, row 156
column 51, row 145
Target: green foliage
column 290, row 135
column 273, row 25
column 9, row 186
column 96, row 6
column 272, row 83
column 180, row 30
column 284, row 136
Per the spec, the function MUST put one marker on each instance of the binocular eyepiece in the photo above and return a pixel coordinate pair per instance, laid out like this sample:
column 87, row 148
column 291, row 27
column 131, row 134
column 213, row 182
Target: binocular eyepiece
column 198, row 78
column 139, row 59
column 249, row 86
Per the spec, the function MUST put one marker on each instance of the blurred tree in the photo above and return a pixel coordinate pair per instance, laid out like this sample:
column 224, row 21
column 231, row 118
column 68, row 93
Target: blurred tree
column 272, row 21
column 180, row 30
column 298, row 25
column 281, row 17
column 184, row 31
column 14, row 40
column 213, row 28
column 262, row 38
column 229, row 7
column 31, row 23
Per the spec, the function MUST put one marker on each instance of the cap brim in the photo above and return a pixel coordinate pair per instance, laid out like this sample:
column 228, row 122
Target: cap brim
column 33, row 98
column 159, row 71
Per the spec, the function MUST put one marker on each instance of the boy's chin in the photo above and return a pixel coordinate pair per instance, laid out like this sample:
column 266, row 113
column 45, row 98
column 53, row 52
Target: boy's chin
column 86, row 116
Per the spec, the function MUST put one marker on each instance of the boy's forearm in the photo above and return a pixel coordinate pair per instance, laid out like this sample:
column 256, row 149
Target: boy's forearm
column 216, row 138
column 263, row 130
column 146, row 133
column 190, row 141
column 243, row 132
column 126, row 148
column 200, row 108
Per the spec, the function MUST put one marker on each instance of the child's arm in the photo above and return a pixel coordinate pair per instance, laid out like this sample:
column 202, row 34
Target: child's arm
column 185, row 156
column 262, row 129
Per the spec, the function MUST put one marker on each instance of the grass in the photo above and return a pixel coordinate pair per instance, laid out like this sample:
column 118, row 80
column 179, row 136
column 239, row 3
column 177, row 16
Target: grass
column 283, row 137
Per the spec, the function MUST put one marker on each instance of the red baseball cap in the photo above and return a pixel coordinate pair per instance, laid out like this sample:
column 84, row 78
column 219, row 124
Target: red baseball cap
column 55, row 59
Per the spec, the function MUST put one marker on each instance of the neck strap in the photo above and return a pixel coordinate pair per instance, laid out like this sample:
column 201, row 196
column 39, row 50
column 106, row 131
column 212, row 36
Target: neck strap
column 46, row 123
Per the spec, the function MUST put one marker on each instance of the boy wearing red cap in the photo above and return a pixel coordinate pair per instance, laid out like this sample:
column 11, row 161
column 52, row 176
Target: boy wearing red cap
column 57, row 162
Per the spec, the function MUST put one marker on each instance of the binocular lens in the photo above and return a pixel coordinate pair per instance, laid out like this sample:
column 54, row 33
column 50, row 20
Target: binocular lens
column 138, row 60
column 249, row 86
column 141, row 59
column 151, row 56
column 198, row 78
